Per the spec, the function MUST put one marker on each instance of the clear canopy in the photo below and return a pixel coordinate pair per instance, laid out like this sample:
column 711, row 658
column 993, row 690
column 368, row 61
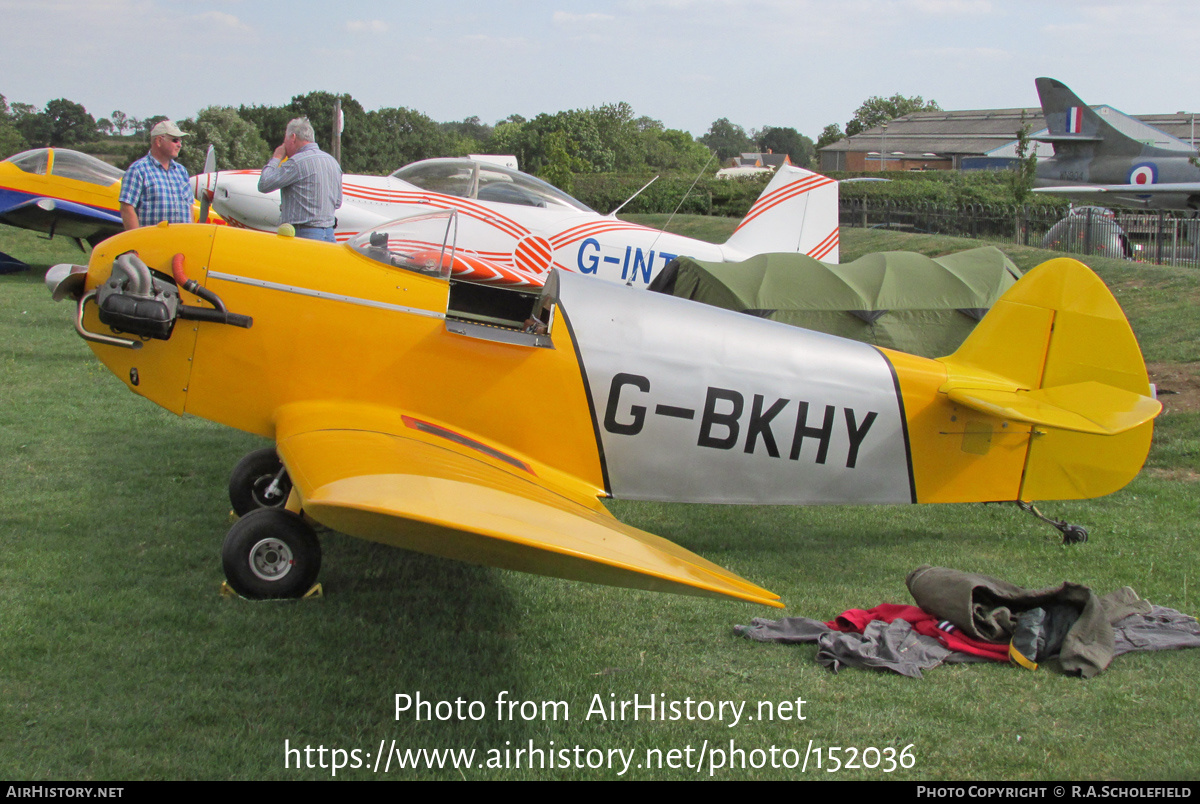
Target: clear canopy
column 422, row 243
column 67, row 164
column 468, row 178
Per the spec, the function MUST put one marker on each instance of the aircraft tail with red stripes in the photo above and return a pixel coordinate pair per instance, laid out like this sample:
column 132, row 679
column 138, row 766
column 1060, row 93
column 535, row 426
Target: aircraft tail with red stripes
column 798, row 212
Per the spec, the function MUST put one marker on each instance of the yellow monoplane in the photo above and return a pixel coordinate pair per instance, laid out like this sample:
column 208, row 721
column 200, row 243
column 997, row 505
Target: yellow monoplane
column 486, row 424
column 62, row 192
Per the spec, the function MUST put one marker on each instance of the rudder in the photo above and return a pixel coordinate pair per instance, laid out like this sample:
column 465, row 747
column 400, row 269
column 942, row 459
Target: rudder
column 797, row 212
column 1057, row 352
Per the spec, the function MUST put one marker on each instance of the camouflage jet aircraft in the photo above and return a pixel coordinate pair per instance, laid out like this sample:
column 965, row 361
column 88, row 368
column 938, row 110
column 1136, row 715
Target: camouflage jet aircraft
column 1095, row 163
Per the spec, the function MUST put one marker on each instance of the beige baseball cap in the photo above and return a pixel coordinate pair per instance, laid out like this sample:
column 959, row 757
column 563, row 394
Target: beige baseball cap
column 168, row 128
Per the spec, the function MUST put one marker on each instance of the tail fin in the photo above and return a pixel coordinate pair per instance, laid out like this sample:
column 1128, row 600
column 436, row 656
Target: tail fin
column 1076, row 130
column 1057, row 352
column 798, row 212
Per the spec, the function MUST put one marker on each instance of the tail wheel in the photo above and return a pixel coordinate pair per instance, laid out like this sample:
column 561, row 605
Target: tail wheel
column 259, row 481
column 271, row 553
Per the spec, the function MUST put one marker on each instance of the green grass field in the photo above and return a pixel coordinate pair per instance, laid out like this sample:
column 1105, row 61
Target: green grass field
column 120, row 660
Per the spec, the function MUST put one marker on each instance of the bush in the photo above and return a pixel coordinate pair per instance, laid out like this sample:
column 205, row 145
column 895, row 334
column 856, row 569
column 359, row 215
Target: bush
column 938, row 187
column 604, row 192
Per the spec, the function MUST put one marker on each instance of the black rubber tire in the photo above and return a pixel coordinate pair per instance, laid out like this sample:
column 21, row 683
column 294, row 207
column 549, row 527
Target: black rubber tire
column 250, row 479
column 271, row 553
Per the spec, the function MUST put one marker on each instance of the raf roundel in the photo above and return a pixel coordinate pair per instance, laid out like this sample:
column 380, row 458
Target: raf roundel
column 1144, row 173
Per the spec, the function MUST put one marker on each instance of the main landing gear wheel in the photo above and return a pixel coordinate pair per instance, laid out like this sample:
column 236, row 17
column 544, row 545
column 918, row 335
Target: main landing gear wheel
column 259, row 481
column 271, row 553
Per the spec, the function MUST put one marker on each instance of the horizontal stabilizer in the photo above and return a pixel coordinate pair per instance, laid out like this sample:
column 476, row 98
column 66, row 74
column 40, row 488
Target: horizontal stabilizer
column 461, row 499
column 1056, row 352
column 1068, row 138
column 1085, row 407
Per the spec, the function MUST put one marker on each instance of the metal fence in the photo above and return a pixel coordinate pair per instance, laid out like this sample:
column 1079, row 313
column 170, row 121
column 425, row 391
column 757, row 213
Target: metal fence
column 1154, row 237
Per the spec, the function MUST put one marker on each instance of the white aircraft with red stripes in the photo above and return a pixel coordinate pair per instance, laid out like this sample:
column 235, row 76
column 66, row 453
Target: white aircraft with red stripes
column 512, row 228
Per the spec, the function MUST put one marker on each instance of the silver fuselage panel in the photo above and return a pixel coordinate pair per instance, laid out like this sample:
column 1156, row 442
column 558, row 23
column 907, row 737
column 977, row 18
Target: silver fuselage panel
column 696, row 404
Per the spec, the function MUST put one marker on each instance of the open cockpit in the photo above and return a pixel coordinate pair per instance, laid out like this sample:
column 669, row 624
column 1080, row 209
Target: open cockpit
column 483, row 301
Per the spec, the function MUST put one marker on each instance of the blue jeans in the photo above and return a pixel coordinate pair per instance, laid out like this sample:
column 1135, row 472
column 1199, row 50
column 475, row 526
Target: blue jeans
column 313, row 233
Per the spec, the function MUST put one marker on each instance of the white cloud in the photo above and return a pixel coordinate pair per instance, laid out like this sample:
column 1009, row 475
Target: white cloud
column 367, row 26
column 566, row 18
column 951, row 7
column 225, row 21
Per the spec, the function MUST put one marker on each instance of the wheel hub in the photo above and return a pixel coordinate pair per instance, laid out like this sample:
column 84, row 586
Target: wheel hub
column 271, row 559
column 266, row 491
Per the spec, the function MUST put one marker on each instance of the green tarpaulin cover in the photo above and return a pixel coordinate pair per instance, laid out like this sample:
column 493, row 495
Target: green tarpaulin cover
column 896, row 299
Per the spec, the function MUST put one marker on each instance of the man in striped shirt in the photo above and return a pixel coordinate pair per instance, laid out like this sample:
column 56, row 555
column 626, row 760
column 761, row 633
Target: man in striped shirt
column 309, row 183
column 156, row 187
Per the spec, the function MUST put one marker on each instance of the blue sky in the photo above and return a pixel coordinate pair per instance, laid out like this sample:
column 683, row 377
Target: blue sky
column 798, row 63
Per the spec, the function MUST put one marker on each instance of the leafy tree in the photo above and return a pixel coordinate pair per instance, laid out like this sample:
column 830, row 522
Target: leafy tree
column 507, row 138
column 236, row 141
column 560, row 165
column 829, row 135
column 467, row 136
column 147, row 125
column 1024, row 170
column 727, row 140
column 619, row 133
column 318, row 108
column 583, row 140
column 33, row 126
column 68, row 123
column 11, row 141
column 105, row 127
column 120, row 121
column 788, row 141
column 672, row 151
column 876, row 111
column 391, row 138
column 271, row 121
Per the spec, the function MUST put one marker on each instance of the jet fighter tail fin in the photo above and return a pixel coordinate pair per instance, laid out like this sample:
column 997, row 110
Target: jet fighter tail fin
column 1076, row 128
column 1057, row 353
column 797, row 212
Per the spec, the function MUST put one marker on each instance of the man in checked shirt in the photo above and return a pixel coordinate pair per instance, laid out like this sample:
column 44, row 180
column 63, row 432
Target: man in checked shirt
column 309, row 183
column 156, row 187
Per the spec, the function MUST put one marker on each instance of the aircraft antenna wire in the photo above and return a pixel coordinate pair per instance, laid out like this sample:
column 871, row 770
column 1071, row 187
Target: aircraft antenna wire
column 681, row 200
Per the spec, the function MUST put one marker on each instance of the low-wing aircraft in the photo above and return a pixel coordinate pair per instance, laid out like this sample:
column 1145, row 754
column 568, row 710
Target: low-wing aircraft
column 63, row 192
column 521, row 227
column 486, row 423
column 1095, row 163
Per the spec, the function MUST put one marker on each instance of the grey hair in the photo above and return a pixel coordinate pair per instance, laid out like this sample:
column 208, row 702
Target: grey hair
column 302, row 129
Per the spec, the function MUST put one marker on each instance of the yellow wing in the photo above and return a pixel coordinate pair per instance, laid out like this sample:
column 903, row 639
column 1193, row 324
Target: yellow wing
column 413, row 483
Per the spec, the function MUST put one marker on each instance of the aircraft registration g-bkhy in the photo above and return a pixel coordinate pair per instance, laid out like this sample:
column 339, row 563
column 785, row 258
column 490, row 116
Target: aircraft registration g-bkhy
column 486, row 423
column 520, row 227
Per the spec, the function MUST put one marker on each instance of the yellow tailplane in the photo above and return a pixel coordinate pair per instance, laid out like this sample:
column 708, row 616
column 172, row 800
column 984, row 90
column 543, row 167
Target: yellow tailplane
column 1057, row 352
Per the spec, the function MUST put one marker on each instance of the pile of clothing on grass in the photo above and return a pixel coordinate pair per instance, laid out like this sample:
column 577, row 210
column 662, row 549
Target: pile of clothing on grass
column 965, row 617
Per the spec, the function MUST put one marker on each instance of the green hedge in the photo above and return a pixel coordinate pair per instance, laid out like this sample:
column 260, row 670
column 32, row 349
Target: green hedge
column 604, row 192
column 939, row 187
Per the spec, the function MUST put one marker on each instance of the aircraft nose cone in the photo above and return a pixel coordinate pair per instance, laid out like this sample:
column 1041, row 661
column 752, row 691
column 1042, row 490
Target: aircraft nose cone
column 65, row 280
